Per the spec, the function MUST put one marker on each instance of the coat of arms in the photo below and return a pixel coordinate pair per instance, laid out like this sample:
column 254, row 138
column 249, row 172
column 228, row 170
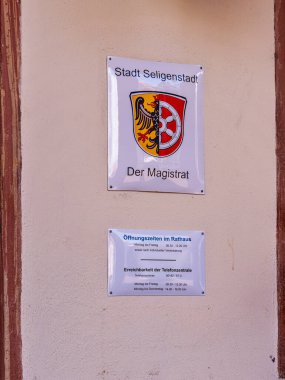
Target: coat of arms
column 158, row 120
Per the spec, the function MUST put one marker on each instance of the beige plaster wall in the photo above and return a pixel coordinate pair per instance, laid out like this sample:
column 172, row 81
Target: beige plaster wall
column 71, row 329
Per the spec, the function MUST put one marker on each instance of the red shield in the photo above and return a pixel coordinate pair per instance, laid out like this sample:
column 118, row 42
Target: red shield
column 158, row 120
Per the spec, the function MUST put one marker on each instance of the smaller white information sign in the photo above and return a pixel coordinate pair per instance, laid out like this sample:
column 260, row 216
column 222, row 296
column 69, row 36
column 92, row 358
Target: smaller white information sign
column 155, row 262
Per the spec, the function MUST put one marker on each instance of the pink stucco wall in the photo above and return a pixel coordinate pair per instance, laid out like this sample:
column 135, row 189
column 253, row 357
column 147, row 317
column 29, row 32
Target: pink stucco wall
column 71, row 329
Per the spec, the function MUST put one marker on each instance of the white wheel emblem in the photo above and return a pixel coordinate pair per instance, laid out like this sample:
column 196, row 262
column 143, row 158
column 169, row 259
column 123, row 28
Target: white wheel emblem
column 163, row 129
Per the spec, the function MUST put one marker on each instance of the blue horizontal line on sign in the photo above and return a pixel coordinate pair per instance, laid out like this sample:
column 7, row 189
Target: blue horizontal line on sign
column 157, row 260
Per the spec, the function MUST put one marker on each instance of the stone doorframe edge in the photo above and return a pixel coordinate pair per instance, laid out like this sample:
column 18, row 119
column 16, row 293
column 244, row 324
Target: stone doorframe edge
column 10, row 193
column 279, row 21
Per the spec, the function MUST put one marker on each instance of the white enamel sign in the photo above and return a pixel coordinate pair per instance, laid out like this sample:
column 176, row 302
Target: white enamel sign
column 155, row 262
column 155, row 123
